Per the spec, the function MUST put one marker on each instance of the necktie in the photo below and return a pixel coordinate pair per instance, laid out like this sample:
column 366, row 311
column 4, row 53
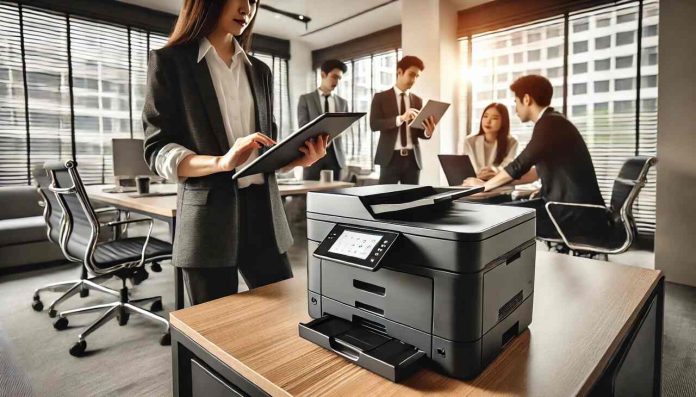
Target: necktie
column 326, row 103
column 402, row 128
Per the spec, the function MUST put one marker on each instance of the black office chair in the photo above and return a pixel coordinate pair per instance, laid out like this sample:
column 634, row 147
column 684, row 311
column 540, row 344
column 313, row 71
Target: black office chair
column 620, row 229
column 55, row 226
column 122, row 258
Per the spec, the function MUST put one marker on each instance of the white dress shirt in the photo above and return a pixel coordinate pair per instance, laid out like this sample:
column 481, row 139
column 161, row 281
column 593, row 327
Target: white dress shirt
column 407, row 102
column 332, row 101
column 236, row 107
column 541, row 114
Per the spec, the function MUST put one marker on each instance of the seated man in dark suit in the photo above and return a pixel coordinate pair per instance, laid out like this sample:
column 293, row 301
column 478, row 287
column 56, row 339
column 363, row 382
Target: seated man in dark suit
column 314, row 104
column 556, row 153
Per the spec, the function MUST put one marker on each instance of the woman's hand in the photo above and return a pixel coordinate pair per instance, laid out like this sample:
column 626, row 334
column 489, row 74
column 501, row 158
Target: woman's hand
column 486, row 173
column 472, row 182
column 313, row 150
column 242, row 149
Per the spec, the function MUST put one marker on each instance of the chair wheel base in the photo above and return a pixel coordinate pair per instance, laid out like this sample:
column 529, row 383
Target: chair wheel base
column 37, row 305
column 156, row 306
column 52, row 313
column 78, row 349
column 61, row 323
column 84, row 293
column 156, row 267
column 123, row 319
column 139, row 276
column 166, row 339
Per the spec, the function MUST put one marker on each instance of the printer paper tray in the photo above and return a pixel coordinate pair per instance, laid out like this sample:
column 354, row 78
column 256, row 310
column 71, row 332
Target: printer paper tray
column 385, row 356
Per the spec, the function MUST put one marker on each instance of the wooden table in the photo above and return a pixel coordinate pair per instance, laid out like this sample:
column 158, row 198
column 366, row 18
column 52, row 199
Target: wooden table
column 586, row 317
column 164, row 208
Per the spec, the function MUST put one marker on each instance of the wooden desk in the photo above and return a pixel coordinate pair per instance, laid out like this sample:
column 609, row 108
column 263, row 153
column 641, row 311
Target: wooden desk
column 164, row 208
column 586, row 315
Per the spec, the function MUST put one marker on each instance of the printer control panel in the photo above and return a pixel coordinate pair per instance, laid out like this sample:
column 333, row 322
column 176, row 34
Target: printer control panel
column 363, row 248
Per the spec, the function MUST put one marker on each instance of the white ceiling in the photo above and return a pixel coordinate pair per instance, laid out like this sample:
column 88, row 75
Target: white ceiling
column 322, row 13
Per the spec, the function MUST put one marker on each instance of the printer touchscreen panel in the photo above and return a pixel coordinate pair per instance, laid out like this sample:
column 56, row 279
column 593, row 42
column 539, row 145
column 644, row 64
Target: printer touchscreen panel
column 356, row 247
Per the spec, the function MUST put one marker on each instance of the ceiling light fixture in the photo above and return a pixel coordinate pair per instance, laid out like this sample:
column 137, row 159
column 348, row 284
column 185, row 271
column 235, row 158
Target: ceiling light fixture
column 298, row 17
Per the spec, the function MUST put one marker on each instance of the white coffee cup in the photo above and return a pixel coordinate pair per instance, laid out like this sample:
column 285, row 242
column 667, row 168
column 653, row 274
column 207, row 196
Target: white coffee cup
column 326, row 176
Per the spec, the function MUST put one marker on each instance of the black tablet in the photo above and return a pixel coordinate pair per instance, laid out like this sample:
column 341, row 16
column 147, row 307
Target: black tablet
column 288, row 149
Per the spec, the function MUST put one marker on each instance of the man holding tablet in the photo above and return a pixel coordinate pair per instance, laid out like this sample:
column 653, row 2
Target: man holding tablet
column 392, row 111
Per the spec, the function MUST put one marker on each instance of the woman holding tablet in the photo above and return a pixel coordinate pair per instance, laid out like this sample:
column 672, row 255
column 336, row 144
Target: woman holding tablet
column 208, row 112
column 493, row 147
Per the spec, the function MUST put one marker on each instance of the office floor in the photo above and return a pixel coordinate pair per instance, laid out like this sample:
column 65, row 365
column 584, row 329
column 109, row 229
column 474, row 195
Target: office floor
column 129, row 360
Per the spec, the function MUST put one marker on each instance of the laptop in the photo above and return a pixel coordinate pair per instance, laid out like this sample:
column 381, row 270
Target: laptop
column 457, row 168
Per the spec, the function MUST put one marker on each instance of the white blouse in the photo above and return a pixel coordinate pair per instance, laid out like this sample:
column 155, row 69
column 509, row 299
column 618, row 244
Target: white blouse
column 236, row 106
column 475, row 149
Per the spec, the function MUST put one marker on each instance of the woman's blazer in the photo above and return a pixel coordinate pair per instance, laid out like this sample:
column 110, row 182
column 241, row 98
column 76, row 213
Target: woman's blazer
column 473, row 146
column 181, row 107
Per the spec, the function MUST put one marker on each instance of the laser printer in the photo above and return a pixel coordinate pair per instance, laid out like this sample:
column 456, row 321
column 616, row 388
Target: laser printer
column 398, row 279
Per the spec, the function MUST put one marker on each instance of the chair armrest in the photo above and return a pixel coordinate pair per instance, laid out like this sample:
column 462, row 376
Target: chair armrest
column 106, row 209
column 127, row 221
column 62, row 190
column 566, row 230
column 147, row 238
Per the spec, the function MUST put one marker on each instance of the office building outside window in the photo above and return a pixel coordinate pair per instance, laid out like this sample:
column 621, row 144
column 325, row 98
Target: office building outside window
column 602, row 84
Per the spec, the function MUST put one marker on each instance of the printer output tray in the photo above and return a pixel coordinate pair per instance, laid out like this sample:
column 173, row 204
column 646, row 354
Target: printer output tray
column 385, row 356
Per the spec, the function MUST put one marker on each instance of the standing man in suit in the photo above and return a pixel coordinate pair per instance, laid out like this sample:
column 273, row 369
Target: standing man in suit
column 314, row 104
column 398, row 152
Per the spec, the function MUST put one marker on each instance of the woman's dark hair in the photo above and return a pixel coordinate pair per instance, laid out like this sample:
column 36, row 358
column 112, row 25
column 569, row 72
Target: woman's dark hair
column 503, row 132
column 408, row 61
column 537, row 87
column 332, row 64
column 198, row 18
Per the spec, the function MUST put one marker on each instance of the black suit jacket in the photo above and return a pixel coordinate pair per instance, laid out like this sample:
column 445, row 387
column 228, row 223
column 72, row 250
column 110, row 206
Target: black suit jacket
column 562, row 161
column 181, row 107
column 383, row 114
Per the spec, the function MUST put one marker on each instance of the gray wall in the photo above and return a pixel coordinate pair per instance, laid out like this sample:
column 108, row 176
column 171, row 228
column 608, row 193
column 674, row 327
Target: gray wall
column 675, row 240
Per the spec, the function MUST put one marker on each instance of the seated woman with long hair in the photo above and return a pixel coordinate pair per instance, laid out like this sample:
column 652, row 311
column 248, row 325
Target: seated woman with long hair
column 493, row 147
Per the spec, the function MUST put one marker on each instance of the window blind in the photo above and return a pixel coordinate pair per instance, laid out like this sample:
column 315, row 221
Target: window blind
column 281, row 96
column 138, row 78
column 14, row 146
column 597, row 84
column 48, row 85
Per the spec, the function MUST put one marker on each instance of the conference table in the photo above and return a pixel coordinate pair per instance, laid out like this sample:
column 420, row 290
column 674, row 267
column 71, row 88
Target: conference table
column 164, row 209
column 596, row 329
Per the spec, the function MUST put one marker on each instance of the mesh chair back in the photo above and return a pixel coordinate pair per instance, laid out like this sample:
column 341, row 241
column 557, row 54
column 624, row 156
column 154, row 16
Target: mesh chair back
column 82, row 226
column 53, row 213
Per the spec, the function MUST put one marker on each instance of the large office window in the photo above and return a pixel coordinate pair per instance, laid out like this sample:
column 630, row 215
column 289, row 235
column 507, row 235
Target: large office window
column 101, row 86
column 595, row 83
column 281, row 95
column 47, row 79
column 534, row 49
column 14, row 166
column 365, row 77
column 85, row 85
